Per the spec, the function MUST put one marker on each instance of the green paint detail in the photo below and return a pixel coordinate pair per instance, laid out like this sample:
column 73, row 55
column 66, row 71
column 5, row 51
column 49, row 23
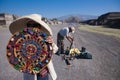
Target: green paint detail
column 36, row 68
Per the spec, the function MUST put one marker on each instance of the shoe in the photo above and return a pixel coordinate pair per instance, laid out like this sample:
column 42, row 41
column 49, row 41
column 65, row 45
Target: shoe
column 58, row 53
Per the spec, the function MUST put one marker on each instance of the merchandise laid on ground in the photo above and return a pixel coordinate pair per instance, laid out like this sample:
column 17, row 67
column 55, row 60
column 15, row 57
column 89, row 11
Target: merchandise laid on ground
column 78, row 54
column 28, row 51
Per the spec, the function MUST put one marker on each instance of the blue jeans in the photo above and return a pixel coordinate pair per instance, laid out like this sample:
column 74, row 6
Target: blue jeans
column 28, row 76
column 31, row 77
column 44, row 78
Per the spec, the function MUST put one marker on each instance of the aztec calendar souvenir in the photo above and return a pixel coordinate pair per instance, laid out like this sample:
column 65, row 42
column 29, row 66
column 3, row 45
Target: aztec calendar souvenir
column 28, row 51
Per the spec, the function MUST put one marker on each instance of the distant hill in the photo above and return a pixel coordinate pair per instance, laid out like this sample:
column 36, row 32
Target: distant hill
column 81, row 17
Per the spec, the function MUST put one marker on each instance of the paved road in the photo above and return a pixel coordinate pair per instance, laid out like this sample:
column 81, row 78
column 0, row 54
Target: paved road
column 104, row 65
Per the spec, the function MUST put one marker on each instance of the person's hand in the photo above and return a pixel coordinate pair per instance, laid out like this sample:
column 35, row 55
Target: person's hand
column 49, row 39
column 71, row 40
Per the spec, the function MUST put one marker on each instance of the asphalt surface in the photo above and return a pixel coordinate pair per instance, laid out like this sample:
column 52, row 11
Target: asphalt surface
column 104, row 65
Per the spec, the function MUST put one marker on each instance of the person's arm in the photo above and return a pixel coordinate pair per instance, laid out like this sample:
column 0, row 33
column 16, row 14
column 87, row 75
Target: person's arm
column 54, row 46
column 52, row 70
column 69, row 38
column 50, row 65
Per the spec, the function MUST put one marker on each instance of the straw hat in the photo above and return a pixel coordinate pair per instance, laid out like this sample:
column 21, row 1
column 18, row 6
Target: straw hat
column 20, row 23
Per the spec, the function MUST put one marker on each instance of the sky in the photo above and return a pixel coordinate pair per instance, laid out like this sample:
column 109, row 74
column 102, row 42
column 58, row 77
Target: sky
column 58, row 8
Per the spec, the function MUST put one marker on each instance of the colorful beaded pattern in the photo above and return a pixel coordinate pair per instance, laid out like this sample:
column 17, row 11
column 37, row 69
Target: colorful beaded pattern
column 28, row 51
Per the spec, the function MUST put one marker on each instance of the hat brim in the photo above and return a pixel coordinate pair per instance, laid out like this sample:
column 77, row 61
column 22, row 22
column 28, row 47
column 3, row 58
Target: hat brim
column 20, row 23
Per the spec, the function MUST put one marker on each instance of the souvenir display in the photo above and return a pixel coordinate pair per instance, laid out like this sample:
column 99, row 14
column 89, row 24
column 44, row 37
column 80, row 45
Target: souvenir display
column 74, row 51
column 28, row 51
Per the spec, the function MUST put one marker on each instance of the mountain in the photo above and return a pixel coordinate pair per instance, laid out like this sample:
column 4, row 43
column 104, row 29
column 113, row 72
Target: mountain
column 81, row 17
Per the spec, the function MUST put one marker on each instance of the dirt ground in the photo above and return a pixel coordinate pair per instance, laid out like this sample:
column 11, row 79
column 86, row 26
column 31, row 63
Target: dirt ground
column 104, row 65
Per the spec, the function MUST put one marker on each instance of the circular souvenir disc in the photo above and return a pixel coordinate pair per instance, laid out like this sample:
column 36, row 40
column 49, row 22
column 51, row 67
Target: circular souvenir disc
column 28, row 51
